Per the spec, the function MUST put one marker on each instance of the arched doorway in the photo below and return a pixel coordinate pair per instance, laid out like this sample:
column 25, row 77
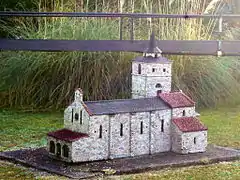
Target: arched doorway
column 52, row 147
column 65, row 151
column 58, row 149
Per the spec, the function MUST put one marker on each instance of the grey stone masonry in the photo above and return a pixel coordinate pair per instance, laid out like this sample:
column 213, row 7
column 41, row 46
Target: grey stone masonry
column 160, row 131
column 150, row 78
column 76, row 118
column 184, row 111
column 140, row 133
column 119, row 135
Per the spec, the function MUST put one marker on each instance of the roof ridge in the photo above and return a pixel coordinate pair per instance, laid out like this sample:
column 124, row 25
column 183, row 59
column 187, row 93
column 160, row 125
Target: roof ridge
column 111, row 100
column 188, row 97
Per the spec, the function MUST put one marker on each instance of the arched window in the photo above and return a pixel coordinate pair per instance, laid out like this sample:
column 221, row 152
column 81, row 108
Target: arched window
column 100, row 131
column 65, row 150
column 121, row 129
column 139, row 69
column 158, row 85
column 184, row 113
column 58, row 149
column 76, row 116
column 52, row 147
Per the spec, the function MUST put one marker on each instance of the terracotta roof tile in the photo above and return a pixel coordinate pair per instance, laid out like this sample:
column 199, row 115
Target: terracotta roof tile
column 189, row 124
column 176, row 99
column 67, row 135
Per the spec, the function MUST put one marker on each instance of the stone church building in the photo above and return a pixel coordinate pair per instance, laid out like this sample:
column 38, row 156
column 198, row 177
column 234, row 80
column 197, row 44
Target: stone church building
column 154, row 120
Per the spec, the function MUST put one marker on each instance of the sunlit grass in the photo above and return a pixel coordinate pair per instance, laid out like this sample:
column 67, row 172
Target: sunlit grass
column 23, row 130
column 223, row 126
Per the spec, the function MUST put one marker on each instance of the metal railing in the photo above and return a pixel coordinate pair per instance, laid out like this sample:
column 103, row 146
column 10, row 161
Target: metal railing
column 230, row 48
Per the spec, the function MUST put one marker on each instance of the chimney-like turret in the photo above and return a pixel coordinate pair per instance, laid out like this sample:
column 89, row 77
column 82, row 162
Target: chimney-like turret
column 78, row 96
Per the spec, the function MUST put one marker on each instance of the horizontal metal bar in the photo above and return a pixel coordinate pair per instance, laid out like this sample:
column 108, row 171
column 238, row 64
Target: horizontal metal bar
column 229, row 48
column 113, row 15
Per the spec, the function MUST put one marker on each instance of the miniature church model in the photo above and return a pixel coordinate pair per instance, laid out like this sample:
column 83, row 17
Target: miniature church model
column 155, row 119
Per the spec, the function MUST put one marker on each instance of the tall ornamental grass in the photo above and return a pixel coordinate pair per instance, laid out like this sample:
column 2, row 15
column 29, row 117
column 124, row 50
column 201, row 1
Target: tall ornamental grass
column 47, row 79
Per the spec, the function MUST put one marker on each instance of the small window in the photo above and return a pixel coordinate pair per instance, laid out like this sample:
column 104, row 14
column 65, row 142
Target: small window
column 65, row 150
column 164, row 70
column 162, row 125
column 139, row 69
column 52, row 147
column 81, row 117
column 121, row 129
column 58, row 149
column 153, row 69
column 100, row 131
column 72, row 115
column 184, row 113
column 141, row 128
column 76, row 116
column 158, row 85
column 195, row 140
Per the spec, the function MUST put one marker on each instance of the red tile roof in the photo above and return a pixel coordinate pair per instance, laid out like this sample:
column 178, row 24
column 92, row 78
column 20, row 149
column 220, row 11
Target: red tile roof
column 189, row 124
column 67, row 135
column 176, row 99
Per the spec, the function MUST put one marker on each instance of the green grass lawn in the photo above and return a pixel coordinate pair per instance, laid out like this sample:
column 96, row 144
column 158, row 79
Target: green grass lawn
column 21, row 130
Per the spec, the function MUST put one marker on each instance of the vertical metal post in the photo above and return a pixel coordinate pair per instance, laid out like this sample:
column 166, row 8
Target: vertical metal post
column 220, row 23
column 120, row 28
column 132, row 29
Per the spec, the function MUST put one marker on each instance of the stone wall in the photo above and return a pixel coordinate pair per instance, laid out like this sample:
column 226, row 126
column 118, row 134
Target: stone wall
column 138, row 86
column 82, row 150
column 152, row 69
column 139, row 138
column 160, row 131
column 153, row 82
column 96, row 146
column 145, row 84
column 194, row 142
column 176, row 139
column 120, row 135
column 189, row 112
column 78, row 125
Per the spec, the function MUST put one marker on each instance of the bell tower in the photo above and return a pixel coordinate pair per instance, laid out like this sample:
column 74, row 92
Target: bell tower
column 151, row 73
